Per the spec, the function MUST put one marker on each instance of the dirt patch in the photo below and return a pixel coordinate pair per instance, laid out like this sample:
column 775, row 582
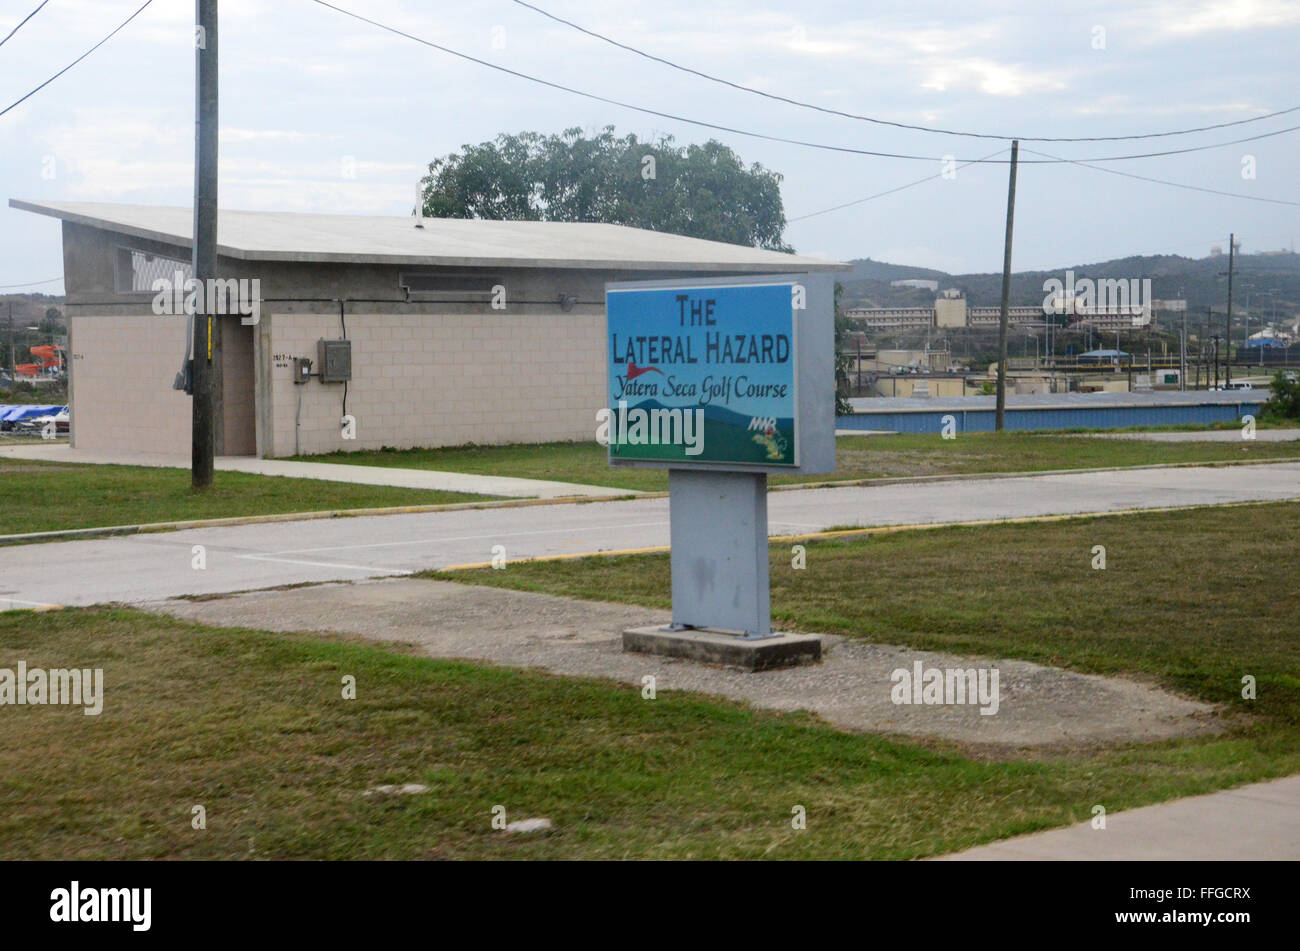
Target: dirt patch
column 852, row 688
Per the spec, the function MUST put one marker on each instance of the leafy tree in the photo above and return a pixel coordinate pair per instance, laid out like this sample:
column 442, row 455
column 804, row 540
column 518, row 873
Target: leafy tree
column 701, row 191
column 1284, row 403
column 52, row 322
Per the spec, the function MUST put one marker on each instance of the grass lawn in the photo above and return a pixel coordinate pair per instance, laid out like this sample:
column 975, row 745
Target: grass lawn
column 45, row 496
column 252, row 726
column 1195, row 599
column 858, row 457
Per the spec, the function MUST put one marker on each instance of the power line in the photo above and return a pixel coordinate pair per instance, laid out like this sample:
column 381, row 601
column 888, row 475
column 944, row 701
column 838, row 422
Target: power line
column 30, row 283
column 888, row 122
column 891, row 191
column 1160, row 181
column 764, row 136
column 77, row 60
column 626, row 105
column 24, row 20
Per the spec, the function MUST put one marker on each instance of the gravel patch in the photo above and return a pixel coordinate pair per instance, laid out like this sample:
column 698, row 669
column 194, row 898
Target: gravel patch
column 851, row 688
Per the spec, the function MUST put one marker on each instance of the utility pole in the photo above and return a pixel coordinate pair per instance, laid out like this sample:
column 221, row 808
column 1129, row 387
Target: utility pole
column 1047, row 340
column 1272, row 299
column 13, row 353
column 1227, row 321
column 1001, row 420
column 1182, row 353
column 1209, row 325
column 203, row 425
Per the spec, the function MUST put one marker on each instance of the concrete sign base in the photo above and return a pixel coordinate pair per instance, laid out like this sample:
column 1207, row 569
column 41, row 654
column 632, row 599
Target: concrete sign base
column 719, row 647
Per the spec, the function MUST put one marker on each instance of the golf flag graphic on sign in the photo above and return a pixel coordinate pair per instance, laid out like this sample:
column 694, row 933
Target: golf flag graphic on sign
column 703, row 374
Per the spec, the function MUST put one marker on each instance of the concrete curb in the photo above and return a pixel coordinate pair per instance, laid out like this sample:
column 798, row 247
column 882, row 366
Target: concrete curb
column 73, row 534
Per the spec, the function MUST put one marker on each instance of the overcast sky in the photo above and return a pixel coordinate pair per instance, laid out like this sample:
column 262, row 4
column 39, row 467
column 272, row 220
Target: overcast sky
column 320, row 112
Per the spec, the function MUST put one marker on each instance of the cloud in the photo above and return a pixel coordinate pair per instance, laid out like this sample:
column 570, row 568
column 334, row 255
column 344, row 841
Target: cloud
column 146, row 155
column 337, row 196
column 229, row 135
column 304, row 89
column 989, row 77
column 1181, row 20
column 1125, row 105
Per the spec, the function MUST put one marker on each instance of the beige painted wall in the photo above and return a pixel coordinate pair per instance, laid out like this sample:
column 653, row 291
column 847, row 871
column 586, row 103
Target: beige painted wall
column 950, row 312
column 417, row 380
column 436, row 380
column 904, row 385
column 464, row 373
column 122, row 371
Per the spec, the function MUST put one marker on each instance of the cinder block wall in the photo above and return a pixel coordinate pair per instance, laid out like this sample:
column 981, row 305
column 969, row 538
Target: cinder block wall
column 424, row 374
column 435, row 380
column 122, row 370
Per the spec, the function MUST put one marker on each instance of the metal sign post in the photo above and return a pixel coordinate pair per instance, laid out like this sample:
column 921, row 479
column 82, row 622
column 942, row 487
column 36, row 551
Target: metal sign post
column 718, row 527
column 722, row 381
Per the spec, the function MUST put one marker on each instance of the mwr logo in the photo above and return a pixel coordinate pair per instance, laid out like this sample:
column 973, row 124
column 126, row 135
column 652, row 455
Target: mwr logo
column 764, row 424
column 187, row 295
column 103, row 904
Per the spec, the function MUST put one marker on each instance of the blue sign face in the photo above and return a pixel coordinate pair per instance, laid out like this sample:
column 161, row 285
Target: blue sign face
column 703, row 374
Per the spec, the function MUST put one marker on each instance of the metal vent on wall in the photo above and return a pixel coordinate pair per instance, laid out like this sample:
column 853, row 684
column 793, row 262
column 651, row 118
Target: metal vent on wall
column 448, row 286
column 137, row 270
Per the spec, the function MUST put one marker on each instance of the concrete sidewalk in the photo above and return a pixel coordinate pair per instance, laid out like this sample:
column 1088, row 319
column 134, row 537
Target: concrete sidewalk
column 1250, row 823
column 505, row 486
column 1200, row 435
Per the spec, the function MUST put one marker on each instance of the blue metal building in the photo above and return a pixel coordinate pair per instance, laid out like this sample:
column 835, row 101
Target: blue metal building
column 1052, row 411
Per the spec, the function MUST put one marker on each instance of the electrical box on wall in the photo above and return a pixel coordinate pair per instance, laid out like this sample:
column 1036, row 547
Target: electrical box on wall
column 301, row 370
column 335, row 361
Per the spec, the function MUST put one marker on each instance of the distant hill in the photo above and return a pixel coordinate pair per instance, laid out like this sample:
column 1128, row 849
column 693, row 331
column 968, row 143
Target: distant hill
column 1195, row 279
column 869, row 270
column 29, row 307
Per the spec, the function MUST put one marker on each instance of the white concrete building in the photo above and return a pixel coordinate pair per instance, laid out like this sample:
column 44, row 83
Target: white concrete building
column 459, row 331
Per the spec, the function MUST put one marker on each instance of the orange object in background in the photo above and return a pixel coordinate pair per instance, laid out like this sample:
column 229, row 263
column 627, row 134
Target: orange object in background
column 50, row 355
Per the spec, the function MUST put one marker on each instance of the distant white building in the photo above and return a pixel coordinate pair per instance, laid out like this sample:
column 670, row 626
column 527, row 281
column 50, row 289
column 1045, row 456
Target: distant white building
column 892, row 318
column 917, row 283
column 950, row 310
